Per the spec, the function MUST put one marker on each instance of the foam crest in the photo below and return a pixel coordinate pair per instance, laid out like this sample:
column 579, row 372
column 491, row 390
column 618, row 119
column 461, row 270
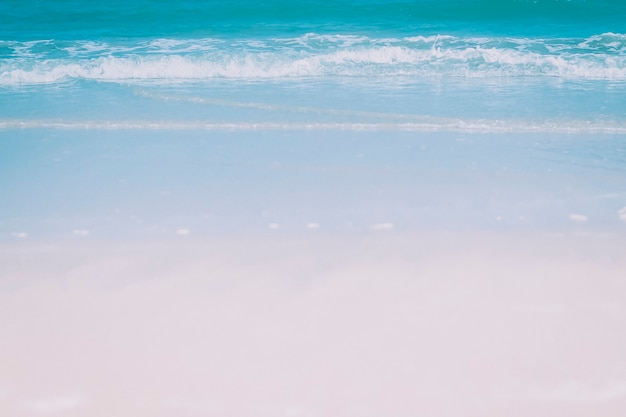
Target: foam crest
column 615, row 42
column 164, row 60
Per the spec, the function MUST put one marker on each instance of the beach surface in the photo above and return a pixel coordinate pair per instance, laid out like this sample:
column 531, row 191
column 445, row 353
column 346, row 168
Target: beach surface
column 316, row 324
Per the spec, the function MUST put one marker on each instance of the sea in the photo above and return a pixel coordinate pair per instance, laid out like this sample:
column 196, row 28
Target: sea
column 145, row 117
column 312, row 208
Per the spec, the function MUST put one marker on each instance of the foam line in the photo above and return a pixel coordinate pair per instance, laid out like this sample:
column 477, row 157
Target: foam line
column 435, row 125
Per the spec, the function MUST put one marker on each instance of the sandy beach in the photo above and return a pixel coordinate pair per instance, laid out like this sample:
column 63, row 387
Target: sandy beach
column 315, row 324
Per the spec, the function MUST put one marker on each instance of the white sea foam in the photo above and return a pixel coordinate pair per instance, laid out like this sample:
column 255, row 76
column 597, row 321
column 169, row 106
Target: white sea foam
column 612, row 41
column 89, row 48
column 431, row 40
column 376, row 61
column 167, row 60
column 425, row 124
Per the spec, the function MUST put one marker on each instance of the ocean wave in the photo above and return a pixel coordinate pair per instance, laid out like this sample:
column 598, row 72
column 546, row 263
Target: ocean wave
column 598, row 57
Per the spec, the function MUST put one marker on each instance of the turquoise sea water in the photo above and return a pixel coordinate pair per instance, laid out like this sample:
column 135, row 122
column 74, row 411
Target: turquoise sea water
column 130, row 79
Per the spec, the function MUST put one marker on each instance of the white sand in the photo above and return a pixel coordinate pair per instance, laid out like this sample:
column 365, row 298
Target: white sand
column 377, row 324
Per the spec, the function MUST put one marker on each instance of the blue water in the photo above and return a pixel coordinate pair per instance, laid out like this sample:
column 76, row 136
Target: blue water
column 139, row 88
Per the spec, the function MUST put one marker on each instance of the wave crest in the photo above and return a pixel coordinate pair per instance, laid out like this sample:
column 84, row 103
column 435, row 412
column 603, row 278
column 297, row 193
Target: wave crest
column 598, row 57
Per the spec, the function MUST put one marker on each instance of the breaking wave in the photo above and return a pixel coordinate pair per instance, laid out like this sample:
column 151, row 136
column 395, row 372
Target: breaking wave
column 168, row 60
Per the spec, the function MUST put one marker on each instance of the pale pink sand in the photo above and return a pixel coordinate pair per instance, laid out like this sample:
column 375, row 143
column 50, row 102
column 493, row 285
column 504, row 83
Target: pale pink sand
column 378, row 324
